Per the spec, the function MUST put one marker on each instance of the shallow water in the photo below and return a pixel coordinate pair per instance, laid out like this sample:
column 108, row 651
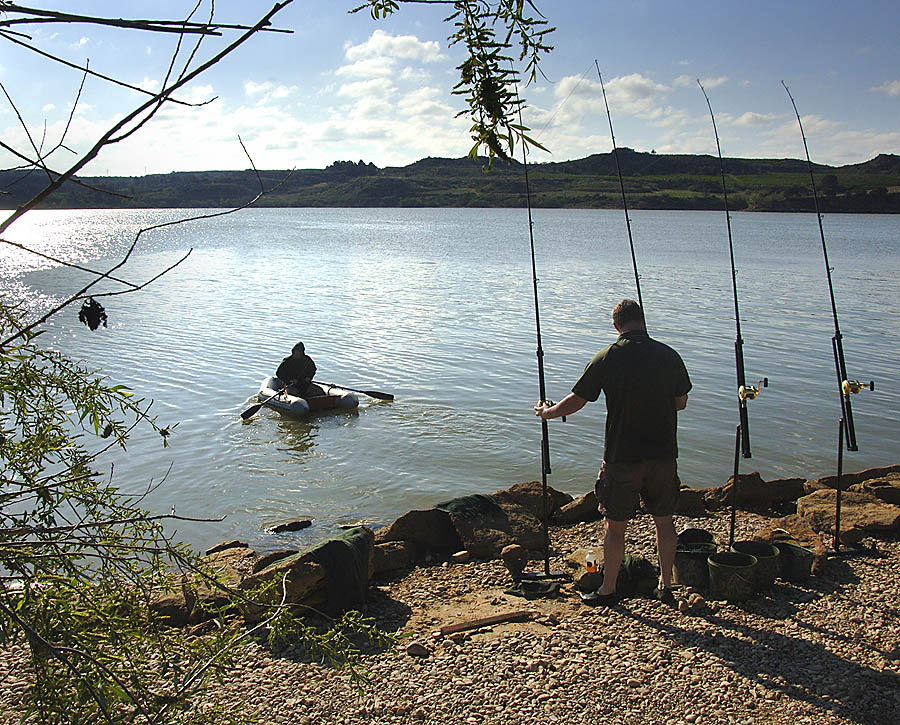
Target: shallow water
column 436, row 307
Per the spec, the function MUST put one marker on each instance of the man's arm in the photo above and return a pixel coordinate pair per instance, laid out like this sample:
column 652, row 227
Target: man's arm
column 568, row 405
column 681, row 402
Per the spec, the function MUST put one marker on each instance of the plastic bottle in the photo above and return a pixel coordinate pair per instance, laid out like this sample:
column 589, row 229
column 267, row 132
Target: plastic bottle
column 590, row 561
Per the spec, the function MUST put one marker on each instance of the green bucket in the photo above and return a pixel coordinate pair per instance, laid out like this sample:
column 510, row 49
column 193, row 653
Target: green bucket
column 691, row 568
column 731, row 576
column 795, row 561
column 767, row 561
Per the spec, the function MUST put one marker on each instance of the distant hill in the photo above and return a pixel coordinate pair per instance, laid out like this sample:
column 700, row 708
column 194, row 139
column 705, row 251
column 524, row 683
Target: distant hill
column 652, row 181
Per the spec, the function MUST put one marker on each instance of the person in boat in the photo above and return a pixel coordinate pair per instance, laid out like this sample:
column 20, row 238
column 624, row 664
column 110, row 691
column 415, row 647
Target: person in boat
column 297, row 371
column 645, row 384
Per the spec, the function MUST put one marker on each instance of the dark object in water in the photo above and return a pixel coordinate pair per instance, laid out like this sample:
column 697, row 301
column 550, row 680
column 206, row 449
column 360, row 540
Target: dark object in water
column 92, row 314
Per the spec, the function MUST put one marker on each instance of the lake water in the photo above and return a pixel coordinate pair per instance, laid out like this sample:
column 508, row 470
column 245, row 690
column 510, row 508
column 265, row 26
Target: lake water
column 436, row 307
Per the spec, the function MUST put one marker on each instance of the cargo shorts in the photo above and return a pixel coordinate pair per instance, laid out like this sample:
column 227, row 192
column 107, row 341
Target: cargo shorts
column 621, row 487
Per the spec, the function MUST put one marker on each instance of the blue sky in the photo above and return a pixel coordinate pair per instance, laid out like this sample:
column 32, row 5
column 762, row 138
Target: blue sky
column 345, row 87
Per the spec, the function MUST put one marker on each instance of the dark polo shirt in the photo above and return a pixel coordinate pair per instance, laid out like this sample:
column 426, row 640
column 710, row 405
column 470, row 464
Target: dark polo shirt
column 640, row 378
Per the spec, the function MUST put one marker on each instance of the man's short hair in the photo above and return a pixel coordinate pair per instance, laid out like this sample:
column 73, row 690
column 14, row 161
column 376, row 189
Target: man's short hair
column 628, row 312
column 298, row 348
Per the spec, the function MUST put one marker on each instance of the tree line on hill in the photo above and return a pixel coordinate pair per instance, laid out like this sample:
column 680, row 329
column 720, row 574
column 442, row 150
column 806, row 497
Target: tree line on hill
column 652, row 181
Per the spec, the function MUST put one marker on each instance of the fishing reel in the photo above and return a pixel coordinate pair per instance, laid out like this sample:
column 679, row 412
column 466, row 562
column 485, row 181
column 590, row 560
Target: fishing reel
column 749, row 392
column 851, row 387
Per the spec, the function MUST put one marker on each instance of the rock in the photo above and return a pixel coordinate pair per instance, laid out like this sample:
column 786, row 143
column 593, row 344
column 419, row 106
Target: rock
column 461, row 557
column 691, row 502
column 861, row 514
column 304, row 577
column 752, row 493
column 174, row 608
column 268, row 559
column 885, row 488
column 529, row 496
column 393, row 555
column 335, row 572
column 417, row 650
column 286, row 526
column 785, row 490
column 485, row 526
column 581, row 509
column 233, row 544
column 850, row 479
column 515, row 557
column 430, row 530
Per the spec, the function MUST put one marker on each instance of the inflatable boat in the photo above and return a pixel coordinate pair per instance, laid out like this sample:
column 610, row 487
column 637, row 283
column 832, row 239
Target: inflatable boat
column 317, row 398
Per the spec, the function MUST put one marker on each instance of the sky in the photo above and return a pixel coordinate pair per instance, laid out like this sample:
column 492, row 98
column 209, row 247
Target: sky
column 346, row 87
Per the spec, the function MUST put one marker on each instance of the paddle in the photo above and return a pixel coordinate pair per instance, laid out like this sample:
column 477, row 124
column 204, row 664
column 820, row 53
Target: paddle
column 370, row 393
column 254, row 409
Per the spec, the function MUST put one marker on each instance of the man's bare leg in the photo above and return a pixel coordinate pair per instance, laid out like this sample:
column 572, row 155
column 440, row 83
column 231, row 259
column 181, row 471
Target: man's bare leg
column 666, row 542
column 613, row 553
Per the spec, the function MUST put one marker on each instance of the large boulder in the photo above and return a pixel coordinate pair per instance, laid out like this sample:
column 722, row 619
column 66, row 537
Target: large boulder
column 530, row 497
column 430, row 530
column 884, row 488
column 302, row 578
column 850, row 479
column 393, row 555
column 751, row 493
column 334, row 573
column 581, row 509
column 485, row 527
column 691, row 502
column 861, row 514
column 785, row 490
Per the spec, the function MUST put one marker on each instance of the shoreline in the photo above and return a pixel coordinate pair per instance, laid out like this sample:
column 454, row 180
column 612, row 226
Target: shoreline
column 823, row 650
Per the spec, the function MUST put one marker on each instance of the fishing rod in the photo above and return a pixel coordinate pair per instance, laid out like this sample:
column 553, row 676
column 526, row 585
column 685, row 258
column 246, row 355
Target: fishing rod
column 637, row 278
column 846, row 387
column 545, row 433
column 745, row 392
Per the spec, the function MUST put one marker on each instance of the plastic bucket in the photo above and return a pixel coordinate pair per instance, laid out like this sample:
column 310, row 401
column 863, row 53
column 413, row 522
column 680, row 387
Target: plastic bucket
column 691, row 567
column 795, row 561
column 767, row 561
column 689, row 537
column 731, row 576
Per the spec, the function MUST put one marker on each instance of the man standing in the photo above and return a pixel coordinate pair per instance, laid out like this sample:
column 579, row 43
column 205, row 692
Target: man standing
column 645, row 383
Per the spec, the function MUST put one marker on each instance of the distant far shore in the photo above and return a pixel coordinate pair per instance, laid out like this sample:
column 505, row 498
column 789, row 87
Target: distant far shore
column 651, row 181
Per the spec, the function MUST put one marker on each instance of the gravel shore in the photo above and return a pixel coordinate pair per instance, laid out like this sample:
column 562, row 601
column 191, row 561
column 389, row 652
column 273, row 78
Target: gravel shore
column 823, row 651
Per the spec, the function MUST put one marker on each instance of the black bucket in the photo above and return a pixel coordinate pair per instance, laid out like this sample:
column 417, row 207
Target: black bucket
column 731, row 576
column 691, row 568
column 767, row 561
column 795, row 561
column 689, row 537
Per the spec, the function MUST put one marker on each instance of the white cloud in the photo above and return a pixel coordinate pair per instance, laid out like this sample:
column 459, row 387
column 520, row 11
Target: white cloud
column 751, row 118
column 367, row 68
column 406, row 47
column 81, row 43
column 890, row 88
column 49, row 107
column 377, row 87
column 267, row 91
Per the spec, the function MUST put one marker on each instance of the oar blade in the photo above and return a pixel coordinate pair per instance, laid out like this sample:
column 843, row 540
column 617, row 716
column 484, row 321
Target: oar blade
column 376, row 394
column 251, row 411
